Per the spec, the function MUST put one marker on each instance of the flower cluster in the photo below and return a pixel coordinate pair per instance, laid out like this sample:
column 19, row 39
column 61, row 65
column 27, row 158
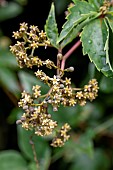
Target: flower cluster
column 62, row 136
column 35, row 105
column 30, row 39
column 39, row 120
column 63, row 93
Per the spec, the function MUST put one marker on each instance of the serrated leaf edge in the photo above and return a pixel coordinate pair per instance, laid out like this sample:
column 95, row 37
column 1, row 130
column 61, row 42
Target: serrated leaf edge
column 77, row 21
column 106, row 48
column 52, row 9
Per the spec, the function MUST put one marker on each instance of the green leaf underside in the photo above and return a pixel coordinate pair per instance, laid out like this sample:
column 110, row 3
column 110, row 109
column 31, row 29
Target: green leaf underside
column 110, row 21
column 109, row 17
column 74, row 32
column 41, row 146
column 45, row 162
column 28, row 80
column 9, row 80
column 76, row 15
column 7, row 59
column 106, row 48
column 12, row 160
column 106, row 85
column 110, row 10
column 99, row 161
column 94, row 40
column 9, row 11
column 51, row 27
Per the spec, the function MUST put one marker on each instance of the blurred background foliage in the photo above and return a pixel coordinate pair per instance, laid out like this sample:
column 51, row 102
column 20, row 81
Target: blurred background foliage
column 91, row 143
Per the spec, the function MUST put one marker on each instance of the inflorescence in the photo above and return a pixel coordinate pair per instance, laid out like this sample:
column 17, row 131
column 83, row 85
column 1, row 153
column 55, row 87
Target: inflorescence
column 35, row 105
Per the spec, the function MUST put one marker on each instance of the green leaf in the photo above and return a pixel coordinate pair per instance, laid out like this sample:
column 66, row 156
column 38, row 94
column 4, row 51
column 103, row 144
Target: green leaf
column 32, row 166
column 28, row 80
column 106, row 48
column 83, row 145
column 66, row 114
column 110, row 21
column 13, row 115
column 110, row 11
column 10, row 10
column 96, row 3
column 99, row 161
column 12, row 160
column 94, row 39
column 41, row 146
column 9, row 80
column 7, row 59
column 51, row 27
column 44, row 163
column 106, row 85
column 76, row 15
column 74, row 32
column 91, row 70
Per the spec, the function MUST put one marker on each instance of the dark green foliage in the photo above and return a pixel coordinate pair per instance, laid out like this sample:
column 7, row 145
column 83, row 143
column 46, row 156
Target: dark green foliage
column 90, row 146
column 95, row 35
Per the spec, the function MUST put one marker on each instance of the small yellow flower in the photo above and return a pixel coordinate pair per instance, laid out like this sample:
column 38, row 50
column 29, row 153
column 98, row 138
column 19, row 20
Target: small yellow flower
column 67, row 81
column 42, row 34
column 72, row 102
column 34, row 44
column 79, row 95
column 55, row 80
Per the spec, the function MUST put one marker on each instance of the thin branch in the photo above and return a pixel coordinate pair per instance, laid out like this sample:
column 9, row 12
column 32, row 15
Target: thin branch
column 102, row 127
column 58, row 65
column 11, row 97
column 74, row 47
column 59, row 60
column 34, row 153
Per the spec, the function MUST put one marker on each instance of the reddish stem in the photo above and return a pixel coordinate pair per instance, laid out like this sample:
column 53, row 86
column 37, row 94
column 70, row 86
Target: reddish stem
column 74, row 47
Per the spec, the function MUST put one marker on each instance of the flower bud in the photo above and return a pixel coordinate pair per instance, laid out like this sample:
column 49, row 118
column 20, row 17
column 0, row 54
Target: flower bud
column 61, row 86
column 25, row 107
column 58, row 76
column 70, row 69
column 55, row 108
column 59, row 56
column 18, row 122
column 23, row 118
